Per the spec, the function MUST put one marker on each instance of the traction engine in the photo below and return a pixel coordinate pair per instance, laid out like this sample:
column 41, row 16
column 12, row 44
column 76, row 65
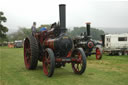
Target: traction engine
column 54, row 49
column 84, row 41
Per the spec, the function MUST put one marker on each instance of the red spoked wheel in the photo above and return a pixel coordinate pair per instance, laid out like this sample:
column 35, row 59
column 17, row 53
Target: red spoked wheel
column 27, row 54
column 31, row 52
column 98, row 54
column 48, row 62
column 79, row 66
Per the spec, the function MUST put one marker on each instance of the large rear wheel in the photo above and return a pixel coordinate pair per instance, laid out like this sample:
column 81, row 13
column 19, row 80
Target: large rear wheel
column 30, row 52
column 48, row 62
column 79, row 67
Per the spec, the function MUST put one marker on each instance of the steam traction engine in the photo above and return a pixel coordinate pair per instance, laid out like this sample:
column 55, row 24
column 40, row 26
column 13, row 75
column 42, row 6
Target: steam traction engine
column 88, row 44
column 54, row 49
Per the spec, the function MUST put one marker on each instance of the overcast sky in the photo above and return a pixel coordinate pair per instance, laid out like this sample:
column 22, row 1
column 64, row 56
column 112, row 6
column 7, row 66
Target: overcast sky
column 101, row 13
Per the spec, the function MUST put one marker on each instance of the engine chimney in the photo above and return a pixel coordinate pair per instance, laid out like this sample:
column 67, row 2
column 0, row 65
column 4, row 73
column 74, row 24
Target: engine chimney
column 103, row 40
column 62, row 17
column 88, row 28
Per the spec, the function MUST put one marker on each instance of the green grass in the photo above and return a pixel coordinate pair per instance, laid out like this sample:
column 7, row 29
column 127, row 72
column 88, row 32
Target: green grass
column 111, row 70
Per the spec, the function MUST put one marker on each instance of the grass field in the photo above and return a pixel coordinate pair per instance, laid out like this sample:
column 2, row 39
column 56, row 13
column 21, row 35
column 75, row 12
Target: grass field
column 111, row 70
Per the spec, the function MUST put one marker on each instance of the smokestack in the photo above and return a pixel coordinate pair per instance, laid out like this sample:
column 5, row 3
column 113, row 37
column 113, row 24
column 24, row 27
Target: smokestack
column 103, row 40
column 88, row 28
column 62, row 17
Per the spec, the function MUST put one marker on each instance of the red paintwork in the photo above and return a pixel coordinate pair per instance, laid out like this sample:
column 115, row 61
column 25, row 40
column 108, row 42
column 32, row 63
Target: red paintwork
column 69, row 53
column 72, row 60
column 58, row 59
column 49, row 43
column 98, row 53
column 90, row 46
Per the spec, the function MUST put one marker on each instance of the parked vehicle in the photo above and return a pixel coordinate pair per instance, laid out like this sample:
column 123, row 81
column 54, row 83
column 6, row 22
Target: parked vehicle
column 18, row 44
column 54, row 49
column 115, row 43
column 10, row 44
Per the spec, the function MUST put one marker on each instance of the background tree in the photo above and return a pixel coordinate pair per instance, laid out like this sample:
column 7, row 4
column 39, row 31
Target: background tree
column 3, row 29
column 20, row 34
column 95, row 33
column 23, row 32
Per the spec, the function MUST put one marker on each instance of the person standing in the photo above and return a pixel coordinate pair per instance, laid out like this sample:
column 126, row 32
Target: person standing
column 33, row 28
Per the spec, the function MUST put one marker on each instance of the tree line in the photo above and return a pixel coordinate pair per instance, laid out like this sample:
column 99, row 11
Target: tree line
column 94, row 32
column 24, row 32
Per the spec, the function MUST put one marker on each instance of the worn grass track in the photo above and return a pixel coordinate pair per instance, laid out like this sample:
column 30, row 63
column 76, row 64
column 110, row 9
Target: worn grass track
column 111, row 70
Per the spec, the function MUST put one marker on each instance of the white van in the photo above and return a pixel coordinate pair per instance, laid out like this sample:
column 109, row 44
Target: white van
column 116, row 44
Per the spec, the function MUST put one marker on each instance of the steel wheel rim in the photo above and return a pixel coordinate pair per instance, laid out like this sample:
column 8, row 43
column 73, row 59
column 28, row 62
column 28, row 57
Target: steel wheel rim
column 27, row 54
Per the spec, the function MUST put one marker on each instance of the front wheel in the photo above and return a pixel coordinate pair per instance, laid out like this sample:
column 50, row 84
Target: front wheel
column 48, row 62
column 79, row 67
